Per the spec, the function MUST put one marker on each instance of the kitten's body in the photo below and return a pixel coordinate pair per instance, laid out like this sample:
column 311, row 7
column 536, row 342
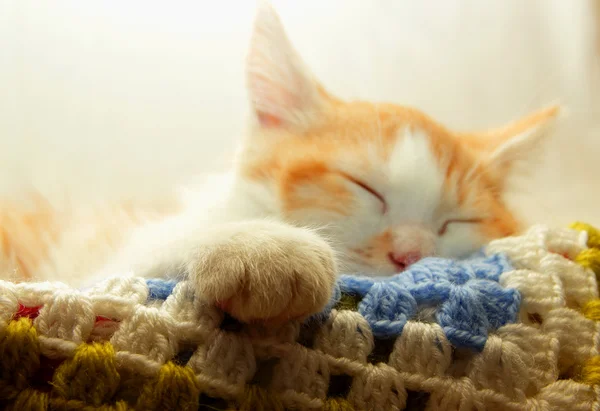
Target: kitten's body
column 377, row 185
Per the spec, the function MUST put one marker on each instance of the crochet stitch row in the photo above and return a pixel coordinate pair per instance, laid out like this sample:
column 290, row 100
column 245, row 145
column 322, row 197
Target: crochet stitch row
column 514, row 328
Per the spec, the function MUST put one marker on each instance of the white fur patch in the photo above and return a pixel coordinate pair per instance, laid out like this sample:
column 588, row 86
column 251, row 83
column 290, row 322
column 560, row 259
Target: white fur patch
column 416, row 178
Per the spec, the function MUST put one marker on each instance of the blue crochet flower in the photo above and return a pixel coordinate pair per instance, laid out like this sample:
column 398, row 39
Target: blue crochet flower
column 467, row 298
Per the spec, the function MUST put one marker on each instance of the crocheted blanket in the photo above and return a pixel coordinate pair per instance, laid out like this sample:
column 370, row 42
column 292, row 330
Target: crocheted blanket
column 515, row 327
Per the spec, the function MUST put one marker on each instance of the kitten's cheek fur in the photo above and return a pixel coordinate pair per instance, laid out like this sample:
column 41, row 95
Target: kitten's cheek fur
column 265, row 271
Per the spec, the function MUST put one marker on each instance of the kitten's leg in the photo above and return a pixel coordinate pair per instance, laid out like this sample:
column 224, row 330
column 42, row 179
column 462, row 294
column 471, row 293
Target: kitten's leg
column 263, row 270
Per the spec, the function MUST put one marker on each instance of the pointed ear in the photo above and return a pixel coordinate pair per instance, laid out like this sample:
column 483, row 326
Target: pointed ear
column 283, row 92
column 503, row 148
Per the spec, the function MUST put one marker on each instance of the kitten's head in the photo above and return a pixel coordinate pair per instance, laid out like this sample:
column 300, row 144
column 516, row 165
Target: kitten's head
column 388, row 184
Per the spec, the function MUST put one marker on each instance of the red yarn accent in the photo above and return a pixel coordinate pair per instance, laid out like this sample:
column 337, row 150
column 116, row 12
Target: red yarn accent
column 29, row 312
column 101, row 319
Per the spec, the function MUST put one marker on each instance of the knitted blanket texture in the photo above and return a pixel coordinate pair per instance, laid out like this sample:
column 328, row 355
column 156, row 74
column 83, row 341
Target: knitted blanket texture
column 515, row 327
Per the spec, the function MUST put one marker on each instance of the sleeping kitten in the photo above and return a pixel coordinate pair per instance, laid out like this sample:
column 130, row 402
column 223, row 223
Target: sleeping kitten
column 320, row 186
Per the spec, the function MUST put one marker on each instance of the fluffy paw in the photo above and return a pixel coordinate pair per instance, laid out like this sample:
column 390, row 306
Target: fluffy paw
column 265, row 271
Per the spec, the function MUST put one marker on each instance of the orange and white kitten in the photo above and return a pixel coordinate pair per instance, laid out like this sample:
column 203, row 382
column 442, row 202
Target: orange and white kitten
column 321, row 186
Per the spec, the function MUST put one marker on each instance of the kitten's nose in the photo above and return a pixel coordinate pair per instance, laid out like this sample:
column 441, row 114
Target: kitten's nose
column 403, row 260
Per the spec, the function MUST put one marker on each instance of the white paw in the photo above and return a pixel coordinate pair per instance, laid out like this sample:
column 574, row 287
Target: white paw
column 265, row 271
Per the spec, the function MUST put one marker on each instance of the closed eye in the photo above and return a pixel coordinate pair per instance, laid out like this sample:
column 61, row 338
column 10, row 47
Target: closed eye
column 444, row 226
column 368, row 189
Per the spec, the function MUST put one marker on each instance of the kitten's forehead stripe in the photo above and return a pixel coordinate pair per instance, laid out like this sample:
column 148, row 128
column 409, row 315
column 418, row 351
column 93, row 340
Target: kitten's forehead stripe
column 415, row 175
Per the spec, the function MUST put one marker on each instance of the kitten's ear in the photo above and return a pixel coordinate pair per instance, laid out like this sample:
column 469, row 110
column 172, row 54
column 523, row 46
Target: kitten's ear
column 503, row 148
column 283, row 92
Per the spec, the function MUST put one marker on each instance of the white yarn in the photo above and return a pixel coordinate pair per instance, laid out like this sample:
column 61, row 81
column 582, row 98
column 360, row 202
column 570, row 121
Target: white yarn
column 409, row 356
column 346, row 334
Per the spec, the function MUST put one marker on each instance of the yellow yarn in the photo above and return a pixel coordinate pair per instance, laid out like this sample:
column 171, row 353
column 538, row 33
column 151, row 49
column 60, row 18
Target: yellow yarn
column 62, row 404
column 592, row 310
column 590, row 374
column 30, row 399
column 259, row 399
column 593, row 233
column 337, row 404
column 19, row 357
column 174, row 388
column 590, row 258
column 72, row 378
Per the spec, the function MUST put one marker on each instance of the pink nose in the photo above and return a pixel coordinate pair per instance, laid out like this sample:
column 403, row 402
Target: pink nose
column 403, row 260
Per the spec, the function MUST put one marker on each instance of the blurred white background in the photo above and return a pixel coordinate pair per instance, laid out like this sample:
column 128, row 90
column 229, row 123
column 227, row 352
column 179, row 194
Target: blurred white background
column 113, row 98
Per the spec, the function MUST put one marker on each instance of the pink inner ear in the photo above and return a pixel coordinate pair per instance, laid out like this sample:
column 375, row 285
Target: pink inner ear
column 268, row 120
